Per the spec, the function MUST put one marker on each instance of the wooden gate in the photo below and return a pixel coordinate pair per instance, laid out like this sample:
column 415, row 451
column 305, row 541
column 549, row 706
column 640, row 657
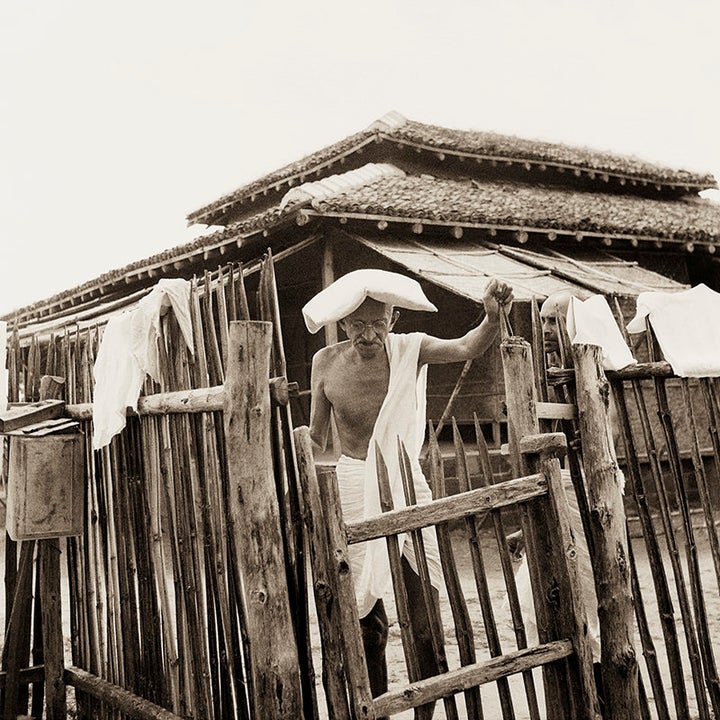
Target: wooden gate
column 562, row 650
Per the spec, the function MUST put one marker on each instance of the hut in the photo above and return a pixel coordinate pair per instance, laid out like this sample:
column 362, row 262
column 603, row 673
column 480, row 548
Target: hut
column 451, row 207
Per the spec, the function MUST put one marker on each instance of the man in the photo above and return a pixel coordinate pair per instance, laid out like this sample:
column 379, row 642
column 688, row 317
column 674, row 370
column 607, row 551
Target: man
column 373, row 383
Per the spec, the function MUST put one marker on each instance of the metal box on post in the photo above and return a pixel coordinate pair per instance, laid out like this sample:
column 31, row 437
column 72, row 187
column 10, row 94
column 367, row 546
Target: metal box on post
column 46, row 481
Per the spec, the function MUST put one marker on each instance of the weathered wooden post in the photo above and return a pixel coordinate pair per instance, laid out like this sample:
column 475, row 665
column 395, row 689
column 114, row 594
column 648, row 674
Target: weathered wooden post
column 521, row 401
column 610, row 543
column 254, row 507
column 520, row 396
column 557, row 590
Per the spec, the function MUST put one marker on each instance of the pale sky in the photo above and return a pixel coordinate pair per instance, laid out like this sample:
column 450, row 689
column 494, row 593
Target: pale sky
column 118, row 119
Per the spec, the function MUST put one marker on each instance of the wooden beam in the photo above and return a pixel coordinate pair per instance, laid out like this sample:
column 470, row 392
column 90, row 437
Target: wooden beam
column 473, row 502
column 470, row 676
column 556, row 411
column 116, row 697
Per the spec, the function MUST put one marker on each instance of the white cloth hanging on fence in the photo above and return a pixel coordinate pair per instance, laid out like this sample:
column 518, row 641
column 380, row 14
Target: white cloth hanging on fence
column 128, row 351
column 686, row 326
column 591, row 322
column 402, row 416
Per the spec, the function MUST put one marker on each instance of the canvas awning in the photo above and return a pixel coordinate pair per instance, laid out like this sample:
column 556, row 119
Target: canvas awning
column 465, row 268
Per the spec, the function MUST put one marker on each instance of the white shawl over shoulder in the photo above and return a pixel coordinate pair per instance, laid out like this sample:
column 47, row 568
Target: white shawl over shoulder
column 402, row 416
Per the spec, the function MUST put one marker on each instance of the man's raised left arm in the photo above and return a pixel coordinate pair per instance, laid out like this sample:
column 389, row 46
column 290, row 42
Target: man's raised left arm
column 496, row 298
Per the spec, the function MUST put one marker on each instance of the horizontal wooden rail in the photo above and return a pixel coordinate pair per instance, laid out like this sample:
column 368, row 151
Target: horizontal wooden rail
column 556, row 411
column 470, row 676
column 116, row 697
column 33, row 674
column 640, row 371
column 473, row 502
column 198, row 400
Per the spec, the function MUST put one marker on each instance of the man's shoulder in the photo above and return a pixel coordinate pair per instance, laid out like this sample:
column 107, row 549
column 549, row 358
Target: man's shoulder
column 328, row 354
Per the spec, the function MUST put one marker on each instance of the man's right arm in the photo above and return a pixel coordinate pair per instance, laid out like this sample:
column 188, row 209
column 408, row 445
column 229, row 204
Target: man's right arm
column 319, row 404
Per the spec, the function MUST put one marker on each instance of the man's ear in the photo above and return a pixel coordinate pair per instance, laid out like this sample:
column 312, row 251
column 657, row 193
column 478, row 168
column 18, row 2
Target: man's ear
column 394, row 317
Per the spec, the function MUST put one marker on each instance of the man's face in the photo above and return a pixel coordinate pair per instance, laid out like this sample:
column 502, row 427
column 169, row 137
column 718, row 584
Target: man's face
column 551, row 336
column 554, row 307
column 368, row 326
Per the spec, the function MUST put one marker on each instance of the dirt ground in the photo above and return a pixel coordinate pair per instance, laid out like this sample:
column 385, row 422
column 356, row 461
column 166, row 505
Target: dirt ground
column 491, row 705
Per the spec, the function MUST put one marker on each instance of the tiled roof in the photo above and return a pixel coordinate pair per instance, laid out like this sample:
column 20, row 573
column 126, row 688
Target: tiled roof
column 397, row 131
column 531, row 207
column 494, row 145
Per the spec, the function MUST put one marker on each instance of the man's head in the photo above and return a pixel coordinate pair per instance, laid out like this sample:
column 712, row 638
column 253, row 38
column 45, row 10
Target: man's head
column 369, row 325
column 554, row 307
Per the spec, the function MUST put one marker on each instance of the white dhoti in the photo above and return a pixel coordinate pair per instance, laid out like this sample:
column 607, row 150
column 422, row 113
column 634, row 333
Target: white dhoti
column 402, row 416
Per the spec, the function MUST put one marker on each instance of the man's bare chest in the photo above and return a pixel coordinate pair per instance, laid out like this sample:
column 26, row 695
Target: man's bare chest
column 358, row 391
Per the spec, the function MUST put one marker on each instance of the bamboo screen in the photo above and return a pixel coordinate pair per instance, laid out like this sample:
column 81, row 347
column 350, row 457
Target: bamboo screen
column 154, row 599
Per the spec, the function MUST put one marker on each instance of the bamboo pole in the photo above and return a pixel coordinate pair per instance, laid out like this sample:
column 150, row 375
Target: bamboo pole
column 291, row 498
column 258, row 540
column 432, row 609
column 706, row 644
column 216, row 521
column 610, row 543
column 648, row 647
column 485, row 480
column 458, row 606
column 712, row 408
column 662, row 591
column 474, row 534
column 16, row 648
column 694, row 628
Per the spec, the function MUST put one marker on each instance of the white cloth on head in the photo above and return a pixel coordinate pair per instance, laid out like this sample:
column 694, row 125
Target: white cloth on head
column 402, row 416
column 686, row 326
column 128, row 351
column 348, row 292
column 591, row 322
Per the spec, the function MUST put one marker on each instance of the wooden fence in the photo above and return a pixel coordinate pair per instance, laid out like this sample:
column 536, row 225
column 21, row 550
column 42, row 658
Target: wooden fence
column 193, row 534
column 669, row 450
column 191, row 570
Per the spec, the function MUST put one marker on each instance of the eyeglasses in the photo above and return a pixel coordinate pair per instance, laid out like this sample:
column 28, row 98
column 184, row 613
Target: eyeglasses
column 358, row 326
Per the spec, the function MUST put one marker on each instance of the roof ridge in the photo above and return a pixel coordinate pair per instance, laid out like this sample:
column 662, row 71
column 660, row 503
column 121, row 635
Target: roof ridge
column 319, row 190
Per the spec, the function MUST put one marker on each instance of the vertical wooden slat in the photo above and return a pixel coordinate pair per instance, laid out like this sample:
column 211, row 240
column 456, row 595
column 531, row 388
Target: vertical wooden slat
column 693, row 629
column 432, row 609
column 395, row 554
column 275, row 682
column 458, row 606
column 361, row 702
column 291, row 498
column 49, row 568
column 485, row 480
column 474, row 533
column 698, row 594
column 324, row 585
